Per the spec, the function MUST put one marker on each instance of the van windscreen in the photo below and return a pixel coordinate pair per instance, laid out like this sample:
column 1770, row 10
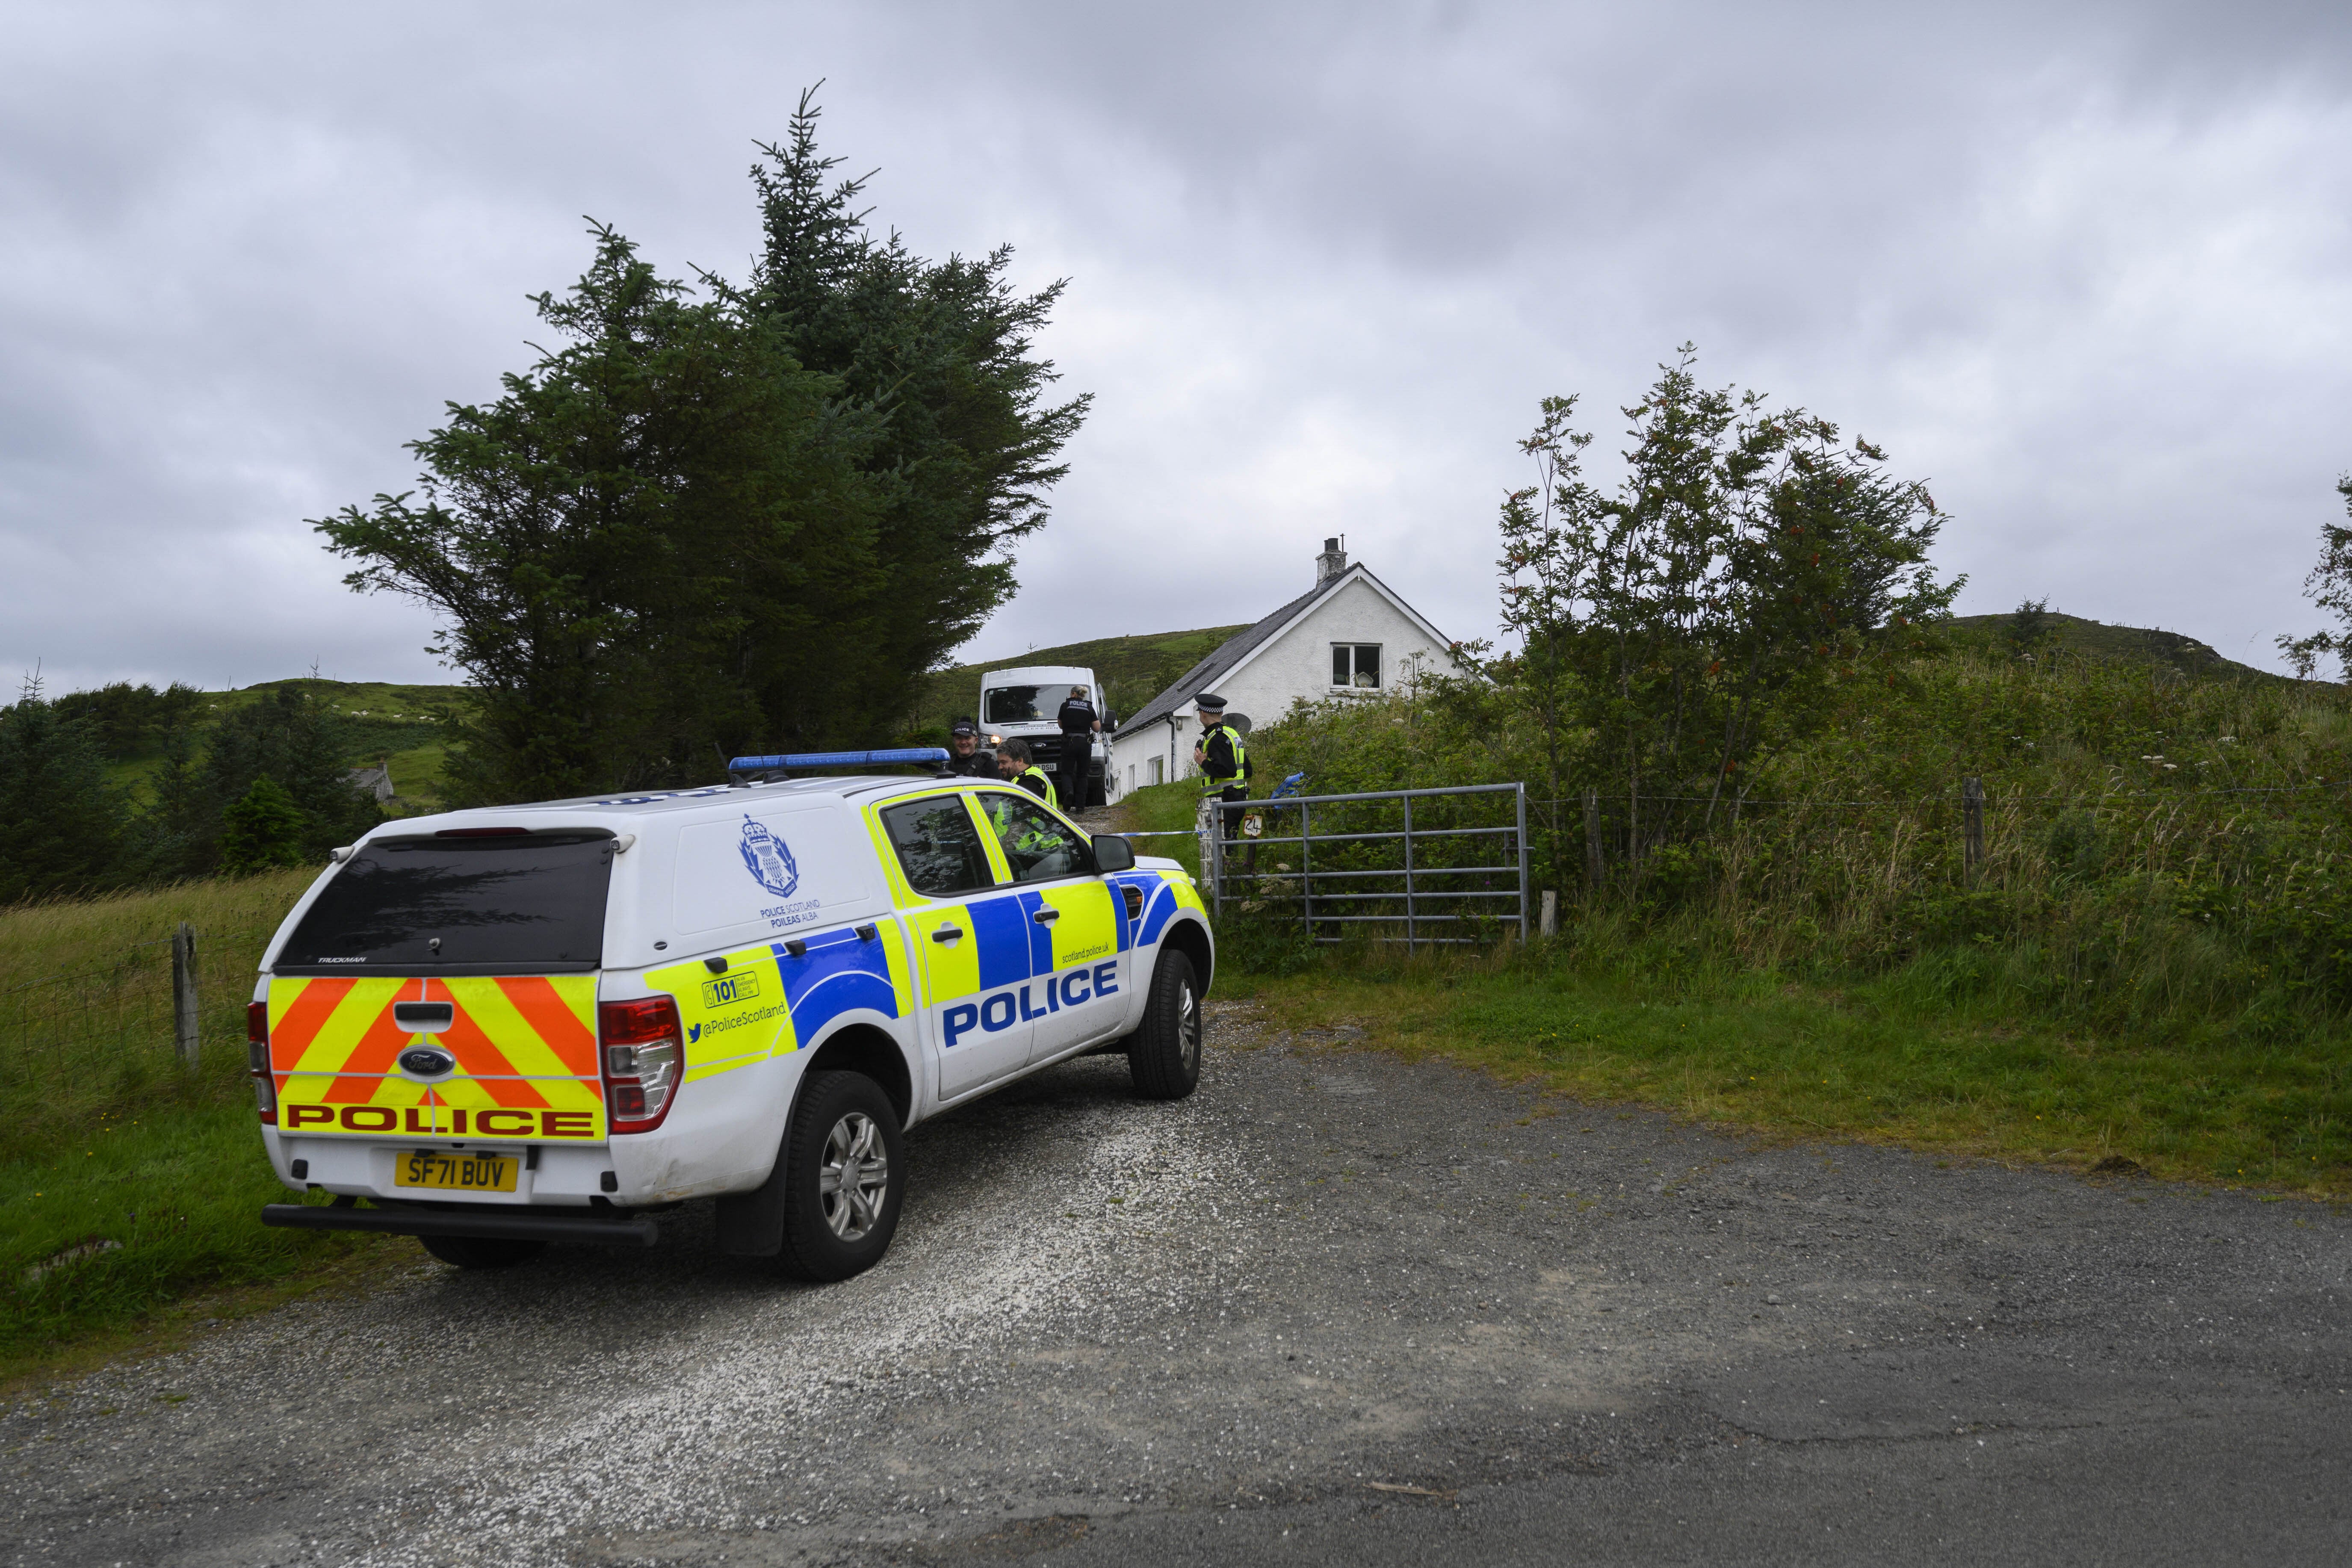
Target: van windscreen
column 526, row 903
column 1010, row 705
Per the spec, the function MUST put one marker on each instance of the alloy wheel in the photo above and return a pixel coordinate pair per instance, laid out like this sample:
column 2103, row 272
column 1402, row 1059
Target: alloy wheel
column 855, row 1176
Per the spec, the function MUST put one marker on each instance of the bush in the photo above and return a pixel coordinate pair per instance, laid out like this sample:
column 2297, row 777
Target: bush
column 262, row 831
column 2162, row 855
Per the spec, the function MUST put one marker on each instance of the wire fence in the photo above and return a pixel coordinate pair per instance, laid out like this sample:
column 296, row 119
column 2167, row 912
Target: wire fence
column 176, row 1001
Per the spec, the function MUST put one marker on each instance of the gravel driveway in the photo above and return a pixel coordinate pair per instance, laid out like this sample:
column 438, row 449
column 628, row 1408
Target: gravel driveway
column 1335, row 1308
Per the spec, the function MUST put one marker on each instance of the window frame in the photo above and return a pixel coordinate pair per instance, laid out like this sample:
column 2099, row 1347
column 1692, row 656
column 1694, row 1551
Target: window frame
column 1353, row 654
column 334, row 904
column 979, row 824
column 1022, row 797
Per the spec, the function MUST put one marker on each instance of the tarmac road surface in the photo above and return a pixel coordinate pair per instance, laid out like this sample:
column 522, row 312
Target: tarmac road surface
column 1333, row 1309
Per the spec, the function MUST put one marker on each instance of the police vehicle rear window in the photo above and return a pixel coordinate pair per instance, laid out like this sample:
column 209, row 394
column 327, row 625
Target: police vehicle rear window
column 520, row 903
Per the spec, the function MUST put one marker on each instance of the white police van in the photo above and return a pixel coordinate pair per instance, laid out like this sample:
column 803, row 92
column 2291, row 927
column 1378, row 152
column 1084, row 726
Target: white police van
column 1023, row 704
column 495, row 1028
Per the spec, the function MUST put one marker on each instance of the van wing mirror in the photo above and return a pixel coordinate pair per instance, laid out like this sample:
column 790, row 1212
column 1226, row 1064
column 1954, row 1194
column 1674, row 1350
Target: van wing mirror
column 1113, row 853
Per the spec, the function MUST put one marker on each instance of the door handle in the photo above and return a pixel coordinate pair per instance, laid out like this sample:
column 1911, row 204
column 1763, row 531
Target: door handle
column 948, row 934
column 1046, row 915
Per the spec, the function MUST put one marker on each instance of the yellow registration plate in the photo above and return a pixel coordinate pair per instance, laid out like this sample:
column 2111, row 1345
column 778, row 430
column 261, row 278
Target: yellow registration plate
column 465, row 1173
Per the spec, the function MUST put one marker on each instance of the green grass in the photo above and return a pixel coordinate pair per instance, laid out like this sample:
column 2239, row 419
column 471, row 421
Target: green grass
column 1163, row 808
column 1899, row 1059
column 178, row 1193
column 105, row 1137
column 2146, row 646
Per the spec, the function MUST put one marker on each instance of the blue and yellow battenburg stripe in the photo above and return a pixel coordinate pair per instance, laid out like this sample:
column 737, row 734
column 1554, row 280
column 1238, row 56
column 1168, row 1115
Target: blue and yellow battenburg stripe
column 768, row 1002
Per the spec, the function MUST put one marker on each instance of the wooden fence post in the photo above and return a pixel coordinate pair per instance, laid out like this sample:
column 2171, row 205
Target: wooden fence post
column 1973, row 825
column 184, row 993
column 1591, row 842
column 1550, row 913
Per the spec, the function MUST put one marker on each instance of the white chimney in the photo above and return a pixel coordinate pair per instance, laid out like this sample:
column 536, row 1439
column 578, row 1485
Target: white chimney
column 1330, row 563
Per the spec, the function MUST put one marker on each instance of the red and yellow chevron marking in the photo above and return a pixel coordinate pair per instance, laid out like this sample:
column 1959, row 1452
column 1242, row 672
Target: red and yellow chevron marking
column 526, row 1050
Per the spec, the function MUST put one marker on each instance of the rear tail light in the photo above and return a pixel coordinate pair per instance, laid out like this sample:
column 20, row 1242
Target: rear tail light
column 256, row 1060
column 644, row 1059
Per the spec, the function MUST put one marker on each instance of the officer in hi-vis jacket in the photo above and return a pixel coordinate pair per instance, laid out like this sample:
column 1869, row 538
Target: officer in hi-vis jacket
column 1224, row 764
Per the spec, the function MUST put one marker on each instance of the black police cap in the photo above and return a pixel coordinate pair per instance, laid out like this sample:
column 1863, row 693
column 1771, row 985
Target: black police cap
column 1209, row 703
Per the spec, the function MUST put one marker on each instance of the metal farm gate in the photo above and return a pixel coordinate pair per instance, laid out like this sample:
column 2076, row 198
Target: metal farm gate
column 1427, row 866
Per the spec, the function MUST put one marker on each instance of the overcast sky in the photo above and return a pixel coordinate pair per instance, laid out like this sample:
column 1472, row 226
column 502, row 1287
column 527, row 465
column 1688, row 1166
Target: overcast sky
column 2088, row 271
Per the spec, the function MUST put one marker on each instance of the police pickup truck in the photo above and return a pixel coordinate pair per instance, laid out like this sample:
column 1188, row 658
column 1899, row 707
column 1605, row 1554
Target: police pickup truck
column 495, row 1028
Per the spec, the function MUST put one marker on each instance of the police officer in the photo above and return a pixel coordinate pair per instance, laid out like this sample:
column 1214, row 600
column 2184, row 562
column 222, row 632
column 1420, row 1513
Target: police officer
column 1223, row 762
column 1014, row 766
column 1078, row 722
column 964, row 760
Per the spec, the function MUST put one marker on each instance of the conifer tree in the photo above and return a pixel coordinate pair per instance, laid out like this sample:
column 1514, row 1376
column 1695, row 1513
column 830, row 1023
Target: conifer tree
column 719, row 519
column 261, row 829
column 61, row 824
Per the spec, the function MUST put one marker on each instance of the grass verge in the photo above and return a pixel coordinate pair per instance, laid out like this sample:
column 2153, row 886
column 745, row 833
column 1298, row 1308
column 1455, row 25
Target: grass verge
column 96, row 1241
column 1163, row 808
column 1886, row 1060
column 129, row 1184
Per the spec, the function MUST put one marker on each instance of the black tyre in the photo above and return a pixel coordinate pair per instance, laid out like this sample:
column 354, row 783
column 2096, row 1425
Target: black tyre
column 481, row 1251
column 1164, row 1054
column 844, row 1178
column 1096, row 794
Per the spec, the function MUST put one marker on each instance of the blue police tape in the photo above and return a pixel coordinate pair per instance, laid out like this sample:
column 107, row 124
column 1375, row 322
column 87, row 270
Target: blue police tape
column 1061, row 991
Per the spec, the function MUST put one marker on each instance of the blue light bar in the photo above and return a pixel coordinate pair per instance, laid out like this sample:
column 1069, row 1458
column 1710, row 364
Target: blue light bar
column 903, row 756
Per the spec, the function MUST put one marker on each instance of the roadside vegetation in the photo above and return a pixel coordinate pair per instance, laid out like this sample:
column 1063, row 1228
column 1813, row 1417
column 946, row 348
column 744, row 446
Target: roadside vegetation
column 1750, row 731
column 127, row 1180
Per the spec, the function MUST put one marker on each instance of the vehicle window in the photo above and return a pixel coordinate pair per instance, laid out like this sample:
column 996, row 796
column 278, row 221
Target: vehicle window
column 938, row 846
column 460, row 906
column 1008, row 705
column 1037, row 844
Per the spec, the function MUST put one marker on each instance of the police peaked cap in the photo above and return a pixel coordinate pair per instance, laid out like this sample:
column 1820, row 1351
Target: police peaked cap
column 1209, row 703
column 961, row 727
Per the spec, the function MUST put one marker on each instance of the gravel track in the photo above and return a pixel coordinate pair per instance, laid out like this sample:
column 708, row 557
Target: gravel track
column 1333, row 1308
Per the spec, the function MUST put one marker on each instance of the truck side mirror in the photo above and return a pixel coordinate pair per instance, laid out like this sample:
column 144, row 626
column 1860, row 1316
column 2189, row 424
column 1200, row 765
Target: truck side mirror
column 1113, row 853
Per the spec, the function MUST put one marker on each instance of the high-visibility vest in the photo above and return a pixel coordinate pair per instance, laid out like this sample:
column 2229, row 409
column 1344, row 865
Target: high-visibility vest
column 1240, row 759
column 1045, row 783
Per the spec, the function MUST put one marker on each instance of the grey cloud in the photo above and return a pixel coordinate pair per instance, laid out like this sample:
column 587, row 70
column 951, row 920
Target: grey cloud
column 2087, row 269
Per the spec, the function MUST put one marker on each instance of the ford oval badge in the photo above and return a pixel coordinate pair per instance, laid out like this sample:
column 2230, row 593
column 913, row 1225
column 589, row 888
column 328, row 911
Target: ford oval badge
column 426, row 1062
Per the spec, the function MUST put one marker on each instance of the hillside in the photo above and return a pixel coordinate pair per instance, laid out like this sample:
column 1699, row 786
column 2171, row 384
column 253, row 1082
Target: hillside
column 394, row 722
column 400, row 720
column 1133, row 670
column 2141, row 644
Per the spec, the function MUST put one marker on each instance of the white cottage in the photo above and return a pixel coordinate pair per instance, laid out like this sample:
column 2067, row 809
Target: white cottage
column 1349, row 633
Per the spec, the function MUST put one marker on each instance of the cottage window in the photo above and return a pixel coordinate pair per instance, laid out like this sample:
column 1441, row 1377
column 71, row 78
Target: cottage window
column 1155, row 771
column 1356, row 664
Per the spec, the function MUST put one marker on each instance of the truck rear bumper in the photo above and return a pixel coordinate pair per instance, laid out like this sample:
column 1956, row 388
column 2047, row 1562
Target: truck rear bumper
column 503, row 1225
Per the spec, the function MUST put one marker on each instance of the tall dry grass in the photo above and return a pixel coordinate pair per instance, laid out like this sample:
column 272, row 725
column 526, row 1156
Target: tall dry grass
column 86, row 1033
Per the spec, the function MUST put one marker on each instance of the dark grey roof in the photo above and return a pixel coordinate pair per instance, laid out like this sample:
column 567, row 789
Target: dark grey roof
column 1229, row 653
column 1206, row 675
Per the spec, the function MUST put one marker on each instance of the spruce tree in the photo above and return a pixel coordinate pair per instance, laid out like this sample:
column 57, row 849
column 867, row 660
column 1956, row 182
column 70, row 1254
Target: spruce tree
column 61, row 824
column 719, row 519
